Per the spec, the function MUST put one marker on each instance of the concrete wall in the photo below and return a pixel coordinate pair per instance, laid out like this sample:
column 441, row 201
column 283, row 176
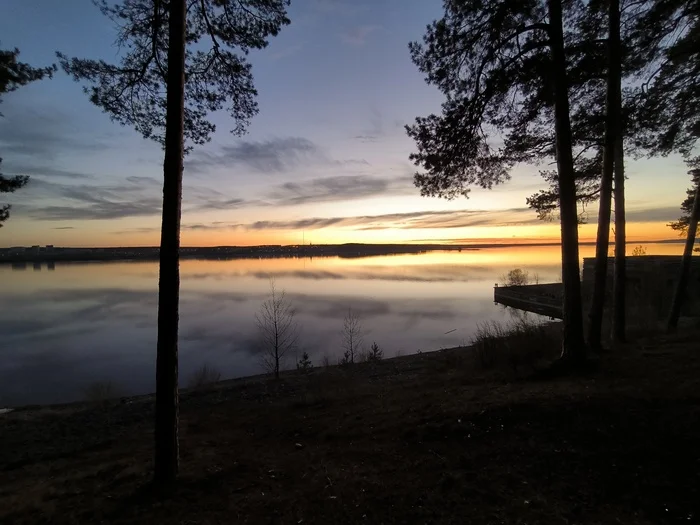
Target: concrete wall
column 651, row 283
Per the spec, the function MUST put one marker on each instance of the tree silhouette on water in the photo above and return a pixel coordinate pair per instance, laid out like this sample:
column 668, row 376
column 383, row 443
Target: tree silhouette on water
column 182, row 60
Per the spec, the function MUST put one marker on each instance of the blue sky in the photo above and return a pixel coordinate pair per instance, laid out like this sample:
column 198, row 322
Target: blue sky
column 327, row 154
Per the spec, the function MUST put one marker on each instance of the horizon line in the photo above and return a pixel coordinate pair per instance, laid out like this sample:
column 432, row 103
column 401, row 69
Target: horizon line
column 452, row 244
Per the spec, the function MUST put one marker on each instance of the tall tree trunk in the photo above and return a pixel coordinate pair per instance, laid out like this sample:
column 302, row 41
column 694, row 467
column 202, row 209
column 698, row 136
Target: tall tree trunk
column 612, row 130
column 166, row 431
column 620, row 280
column 682, row 284
column 573, row 348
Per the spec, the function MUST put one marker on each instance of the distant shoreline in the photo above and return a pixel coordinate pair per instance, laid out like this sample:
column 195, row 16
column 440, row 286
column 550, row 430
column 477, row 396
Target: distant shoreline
column 52, row 254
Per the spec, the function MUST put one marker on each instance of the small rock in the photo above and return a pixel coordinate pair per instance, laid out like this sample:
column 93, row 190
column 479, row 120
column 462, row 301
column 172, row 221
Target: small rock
column 298, row 445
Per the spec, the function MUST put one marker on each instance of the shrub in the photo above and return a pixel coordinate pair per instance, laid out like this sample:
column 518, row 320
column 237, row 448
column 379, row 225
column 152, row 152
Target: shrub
column 278, row 330
column 347, row 358
column 101, row 391
column 375, row 353
column 304, row 364
column 326, row 361
column 205, row 375
column 516, row 277
column 639, row 251
column 352, row 336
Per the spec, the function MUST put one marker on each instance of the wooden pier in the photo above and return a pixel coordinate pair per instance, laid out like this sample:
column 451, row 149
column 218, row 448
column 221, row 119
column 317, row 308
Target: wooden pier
column 542, row 299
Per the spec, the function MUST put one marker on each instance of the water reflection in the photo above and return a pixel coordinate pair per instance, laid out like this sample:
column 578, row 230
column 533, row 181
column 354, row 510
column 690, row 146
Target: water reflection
column 80, row 323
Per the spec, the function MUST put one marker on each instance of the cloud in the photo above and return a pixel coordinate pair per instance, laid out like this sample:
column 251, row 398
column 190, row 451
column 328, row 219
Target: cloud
column 87, row 201
column 99, row 211
column 366, row 138
column 337, row 7
column 132, row 197
column 44, row 132
column 206, row 227
column 329, row 189
column 357, row 36
column 663, row 214
column 322, row 189
column 145, row 181
column 142, row 229
column 286, row 52
column 14, row 168
column 378, row 127
column 223, row 204
column 410, row 220
column 274, row 155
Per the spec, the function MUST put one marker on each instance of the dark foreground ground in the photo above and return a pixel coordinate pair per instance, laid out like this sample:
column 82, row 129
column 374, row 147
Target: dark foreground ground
column 419, row 439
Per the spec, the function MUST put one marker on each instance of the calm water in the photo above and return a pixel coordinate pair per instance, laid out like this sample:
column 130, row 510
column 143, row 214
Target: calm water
column 67, row 327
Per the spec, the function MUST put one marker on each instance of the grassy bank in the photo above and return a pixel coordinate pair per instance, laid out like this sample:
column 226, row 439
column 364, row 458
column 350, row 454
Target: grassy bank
column 430, row 438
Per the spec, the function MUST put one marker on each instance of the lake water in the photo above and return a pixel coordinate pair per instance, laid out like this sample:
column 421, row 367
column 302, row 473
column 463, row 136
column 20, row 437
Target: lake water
column 66, row 327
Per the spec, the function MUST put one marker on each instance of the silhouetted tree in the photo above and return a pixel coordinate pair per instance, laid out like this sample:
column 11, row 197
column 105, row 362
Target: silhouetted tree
column 182, row 59
column 670, row 120
column 304, row 364
column 352, row 336
column 375, row 353
column 613, row 130
column 13, row 75
column 681, row 225
column 690, row 217
column 516, row 277
column 502, row 66
column 278, row 329
column 590, row 52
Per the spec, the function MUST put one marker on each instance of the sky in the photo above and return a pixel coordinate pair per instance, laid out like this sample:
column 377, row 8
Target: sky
column 326, row 160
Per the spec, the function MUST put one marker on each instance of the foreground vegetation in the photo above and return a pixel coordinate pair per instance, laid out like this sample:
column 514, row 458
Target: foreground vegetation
column 432, row 438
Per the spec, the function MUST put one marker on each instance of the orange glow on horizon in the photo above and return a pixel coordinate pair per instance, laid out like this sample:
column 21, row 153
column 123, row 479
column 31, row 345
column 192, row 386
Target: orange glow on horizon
column 94, row 235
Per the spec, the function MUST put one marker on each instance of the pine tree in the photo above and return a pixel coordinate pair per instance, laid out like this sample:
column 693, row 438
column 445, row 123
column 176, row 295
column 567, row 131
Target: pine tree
column 612, row 132
column 13, row 75
column 182, row 60
column 503, row 68
column 670, row 120
column 688, row 223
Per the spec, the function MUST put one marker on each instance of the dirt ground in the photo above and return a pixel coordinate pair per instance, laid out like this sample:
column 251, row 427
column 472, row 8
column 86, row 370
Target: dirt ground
column 418, row 439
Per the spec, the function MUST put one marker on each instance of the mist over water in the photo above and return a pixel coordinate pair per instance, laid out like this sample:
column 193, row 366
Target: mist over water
column 70, row 325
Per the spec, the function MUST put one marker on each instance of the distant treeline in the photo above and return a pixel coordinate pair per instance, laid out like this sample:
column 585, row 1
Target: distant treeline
column 220, row 252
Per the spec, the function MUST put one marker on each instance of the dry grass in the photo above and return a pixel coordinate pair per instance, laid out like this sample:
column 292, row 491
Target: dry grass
column 101, row 391
column 518, row 347
column 428, row 438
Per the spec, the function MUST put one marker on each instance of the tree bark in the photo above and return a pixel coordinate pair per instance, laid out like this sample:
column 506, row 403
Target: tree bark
column 620, row 280
column 573, row 348
column 682, row 284
column 612, row 130
column 166, row 424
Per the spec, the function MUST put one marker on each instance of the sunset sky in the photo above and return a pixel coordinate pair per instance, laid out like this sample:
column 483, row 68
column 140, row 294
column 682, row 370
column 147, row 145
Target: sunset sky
column 325, row 160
